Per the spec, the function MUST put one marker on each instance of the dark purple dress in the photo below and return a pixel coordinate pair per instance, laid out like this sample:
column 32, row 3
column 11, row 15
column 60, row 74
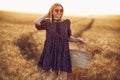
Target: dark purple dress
column 56, row 55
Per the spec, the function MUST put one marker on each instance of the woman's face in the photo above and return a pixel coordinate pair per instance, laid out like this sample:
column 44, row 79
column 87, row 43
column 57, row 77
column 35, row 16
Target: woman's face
column 57, row 12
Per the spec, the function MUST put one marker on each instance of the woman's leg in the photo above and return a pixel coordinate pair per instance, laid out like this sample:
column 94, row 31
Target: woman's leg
column 55, row 74
column 63, row 75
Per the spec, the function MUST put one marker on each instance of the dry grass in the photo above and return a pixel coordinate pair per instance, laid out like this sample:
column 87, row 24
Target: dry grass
column 21, row 45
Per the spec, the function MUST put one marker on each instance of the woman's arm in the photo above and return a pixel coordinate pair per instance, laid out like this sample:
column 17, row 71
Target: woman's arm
column 73, row 39
column 38, row 20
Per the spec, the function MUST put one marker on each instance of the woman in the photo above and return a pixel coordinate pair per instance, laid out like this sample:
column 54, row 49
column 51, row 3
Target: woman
column 56, row 55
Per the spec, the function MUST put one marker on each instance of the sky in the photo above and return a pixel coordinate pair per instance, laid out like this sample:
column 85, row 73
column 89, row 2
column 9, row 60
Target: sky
column 71, row 7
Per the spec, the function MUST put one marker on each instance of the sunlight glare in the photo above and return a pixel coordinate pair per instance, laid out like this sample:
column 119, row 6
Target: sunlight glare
column 78, row 7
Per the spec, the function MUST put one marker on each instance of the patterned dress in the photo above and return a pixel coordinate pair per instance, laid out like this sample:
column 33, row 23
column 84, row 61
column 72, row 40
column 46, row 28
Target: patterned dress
column 56, row 55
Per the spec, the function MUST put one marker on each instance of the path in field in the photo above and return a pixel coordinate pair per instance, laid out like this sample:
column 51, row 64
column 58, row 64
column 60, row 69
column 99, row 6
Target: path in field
column 89, row 26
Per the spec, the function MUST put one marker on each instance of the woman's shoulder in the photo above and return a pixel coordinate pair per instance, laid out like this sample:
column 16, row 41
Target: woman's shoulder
column 67, row 20
column 47, row 20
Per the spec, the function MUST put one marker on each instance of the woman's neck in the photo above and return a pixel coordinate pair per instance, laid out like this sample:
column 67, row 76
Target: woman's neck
column 56, row 19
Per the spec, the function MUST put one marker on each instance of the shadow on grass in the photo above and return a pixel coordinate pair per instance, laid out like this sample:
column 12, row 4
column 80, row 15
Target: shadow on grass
column 29, row 46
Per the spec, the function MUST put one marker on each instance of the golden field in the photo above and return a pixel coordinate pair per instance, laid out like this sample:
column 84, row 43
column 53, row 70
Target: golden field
column 21, row 45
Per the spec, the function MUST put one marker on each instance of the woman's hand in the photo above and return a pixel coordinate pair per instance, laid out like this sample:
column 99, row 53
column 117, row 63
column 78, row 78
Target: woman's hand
column 81, row 41
column 73, row 39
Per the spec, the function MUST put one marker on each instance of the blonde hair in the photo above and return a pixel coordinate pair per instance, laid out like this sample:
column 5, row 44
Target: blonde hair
column 50, row 13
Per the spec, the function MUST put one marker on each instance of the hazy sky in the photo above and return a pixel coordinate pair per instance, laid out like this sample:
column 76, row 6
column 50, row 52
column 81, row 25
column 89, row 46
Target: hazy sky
column 72, row 7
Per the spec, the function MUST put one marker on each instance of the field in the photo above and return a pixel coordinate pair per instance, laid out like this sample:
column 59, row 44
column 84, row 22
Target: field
column 21, row 45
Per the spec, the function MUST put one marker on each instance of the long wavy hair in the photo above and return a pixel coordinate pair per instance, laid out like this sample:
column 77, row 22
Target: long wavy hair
column 50, row 13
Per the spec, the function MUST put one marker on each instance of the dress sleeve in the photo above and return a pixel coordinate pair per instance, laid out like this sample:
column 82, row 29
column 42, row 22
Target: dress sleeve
column 68, row 28
column 42, row 26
